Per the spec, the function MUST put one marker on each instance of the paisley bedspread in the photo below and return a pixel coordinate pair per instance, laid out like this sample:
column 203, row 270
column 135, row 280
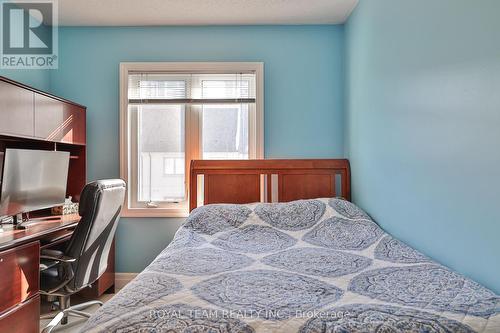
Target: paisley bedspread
column 305, row 266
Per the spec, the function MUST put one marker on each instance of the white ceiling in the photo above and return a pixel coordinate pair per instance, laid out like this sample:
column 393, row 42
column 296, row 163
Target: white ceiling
column 202, row 12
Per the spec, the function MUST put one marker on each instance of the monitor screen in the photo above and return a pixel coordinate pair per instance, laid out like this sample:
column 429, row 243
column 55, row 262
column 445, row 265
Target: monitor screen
column 32, row 180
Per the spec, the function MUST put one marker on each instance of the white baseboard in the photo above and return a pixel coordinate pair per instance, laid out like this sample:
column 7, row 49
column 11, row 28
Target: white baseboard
column 121, row 279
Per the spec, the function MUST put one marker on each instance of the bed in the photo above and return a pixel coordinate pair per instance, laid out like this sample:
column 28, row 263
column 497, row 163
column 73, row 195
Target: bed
column 301, row 258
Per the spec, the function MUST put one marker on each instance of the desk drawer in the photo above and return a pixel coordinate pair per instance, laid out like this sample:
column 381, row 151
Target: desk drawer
column 24, row 318
column 19, row 274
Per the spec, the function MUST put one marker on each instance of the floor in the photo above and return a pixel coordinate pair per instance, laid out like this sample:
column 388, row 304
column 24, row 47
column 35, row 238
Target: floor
column 74, row 323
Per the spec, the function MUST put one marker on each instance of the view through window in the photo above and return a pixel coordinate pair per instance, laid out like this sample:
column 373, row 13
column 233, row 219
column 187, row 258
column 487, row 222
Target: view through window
column 176, row 117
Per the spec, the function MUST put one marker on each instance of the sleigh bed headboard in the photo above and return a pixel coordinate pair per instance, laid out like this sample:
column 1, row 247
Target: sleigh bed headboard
column 247, row 181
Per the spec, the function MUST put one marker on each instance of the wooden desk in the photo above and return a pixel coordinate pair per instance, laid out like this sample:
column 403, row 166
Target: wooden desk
column 20, row 273
column 34, row 119
column 38, row 230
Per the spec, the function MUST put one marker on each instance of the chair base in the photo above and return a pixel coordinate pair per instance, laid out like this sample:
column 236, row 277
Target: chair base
column 62, row 316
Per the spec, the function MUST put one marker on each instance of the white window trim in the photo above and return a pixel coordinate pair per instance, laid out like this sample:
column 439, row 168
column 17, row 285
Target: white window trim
column 256, row 126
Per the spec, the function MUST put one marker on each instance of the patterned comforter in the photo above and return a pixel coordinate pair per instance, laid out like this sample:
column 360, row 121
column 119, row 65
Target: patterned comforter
column 305, row 266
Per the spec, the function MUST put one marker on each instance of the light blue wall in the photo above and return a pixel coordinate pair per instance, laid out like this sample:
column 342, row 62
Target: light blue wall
column 423, row 126
column 303, row 96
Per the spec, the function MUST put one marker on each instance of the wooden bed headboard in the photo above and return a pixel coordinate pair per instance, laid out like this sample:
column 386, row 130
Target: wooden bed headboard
column 247, row 181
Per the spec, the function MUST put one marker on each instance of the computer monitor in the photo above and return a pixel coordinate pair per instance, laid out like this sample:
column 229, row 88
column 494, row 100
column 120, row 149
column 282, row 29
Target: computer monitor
column 32, row 180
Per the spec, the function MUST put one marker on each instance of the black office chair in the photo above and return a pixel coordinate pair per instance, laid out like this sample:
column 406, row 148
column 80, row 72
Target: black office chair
column 64, row 273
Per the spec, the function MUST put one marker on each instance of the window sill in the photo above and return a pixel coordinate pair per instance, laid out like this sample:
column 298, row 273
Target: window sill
column 153, row 212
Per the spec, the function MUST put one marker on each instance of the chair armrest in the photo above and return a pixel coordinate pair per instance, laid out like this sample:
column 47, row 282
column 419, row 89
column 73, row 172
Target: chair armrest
column 46, row 264
column 62, row 258
column 56, row 255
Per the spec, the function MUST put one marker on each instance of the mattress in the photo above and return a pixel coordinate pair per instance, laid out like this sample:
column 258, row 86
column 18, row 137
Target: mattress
column 306, row 266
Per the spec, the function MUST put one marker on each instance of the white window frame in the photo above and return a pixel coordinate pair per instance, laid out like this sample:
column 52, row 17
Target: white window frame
column 192, row 121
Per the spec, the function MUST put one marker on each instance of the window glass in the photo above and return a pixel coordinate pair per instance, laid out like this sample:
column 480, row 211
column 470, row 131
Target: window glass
column 225, row 132
column 161, row 153
column 175, row 116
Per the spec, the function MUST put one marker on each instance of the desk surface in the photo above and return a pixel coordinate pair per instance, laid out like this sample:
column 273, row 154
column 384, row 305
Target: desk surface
column 36, row 230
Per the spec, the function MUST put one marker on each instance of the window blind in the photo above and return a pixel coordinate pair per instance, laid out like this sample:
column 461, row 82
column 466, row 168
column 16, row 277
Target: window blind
column 191, row 88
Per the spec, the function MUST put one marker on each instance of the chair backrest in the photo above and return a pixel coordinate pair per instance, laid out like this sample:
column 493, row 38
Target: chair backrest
column 100, row 205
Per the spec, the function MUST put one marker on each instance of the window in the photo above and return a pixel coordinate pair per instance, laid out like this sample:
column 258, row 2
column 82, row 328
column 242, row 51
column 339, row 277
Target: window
column 171, row 113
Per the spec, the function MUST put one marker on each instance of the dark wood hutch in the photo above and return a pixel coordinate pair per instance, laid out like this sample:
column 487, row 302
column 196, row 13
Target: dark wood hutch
column 34, row 119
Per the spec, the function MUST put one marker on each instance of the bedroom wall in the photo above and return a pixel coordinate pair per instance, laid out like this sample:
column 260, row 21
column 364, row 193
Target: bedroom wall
column 303, row 96
column 422, row 126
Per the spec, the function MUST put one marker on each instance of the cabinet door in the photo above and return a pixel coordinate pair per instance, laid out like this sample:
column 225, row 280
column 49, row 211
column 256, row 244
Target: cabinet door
column 19, row 274
column 59, row 121
column 49, row 116
column 73, row 130
column 22, row 318
column 16, row 110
